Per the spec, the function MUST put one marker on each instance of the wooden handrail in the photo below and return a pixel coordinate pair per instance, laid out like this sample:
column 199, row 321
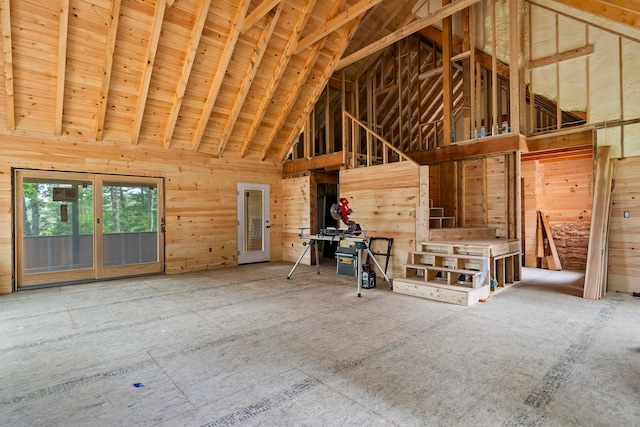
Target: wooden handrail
column 380, row 138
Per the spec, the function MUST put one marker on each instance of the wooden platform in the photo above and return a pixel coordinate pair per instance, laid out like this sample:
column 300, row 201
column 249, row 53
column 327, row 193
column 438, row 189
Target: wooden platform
column 440, row 291
column 440, row 270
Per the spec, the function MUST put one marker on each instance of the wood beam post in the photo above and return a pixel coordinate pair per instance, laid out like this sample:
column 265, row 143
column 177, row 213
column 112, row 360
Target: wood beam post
column 447, row 95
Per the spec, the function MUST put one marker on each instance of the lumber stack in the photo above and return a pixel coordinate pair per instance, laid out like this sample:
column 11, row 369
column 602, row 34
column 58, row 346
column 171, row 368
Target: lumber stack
column 595, row 278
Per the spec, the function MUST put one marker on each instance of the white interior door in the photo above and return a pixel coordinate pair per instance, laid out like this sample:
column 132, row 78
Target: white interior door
column 253, row 222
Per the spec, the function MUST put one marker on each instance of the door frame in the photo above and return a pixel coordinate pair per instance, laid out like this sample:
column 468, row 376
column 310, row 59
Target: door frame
column 98, row 271
column 254, row 256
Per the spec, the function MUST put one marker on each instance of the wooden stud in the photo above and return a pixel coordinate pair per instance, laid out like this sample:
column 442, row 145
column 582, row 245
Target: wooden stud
column 494, row 71
column 447, row 101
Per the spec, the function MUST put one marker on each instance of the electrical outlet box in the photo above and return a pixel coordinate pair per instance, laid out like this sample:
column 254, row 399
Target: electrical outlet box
column 627, row 214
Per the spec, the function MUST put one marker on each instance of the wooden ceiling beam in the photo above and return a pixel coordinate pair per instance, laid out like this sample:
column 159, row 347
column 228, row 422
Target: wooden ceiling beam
column 292, row 97
column 219, row 73
column 185, row 72
column 562, row 56
column 62, row 65
column 254, row 64
column 432, row 18
column 5, row 19
column 150, row 57
column 258, row 13
column 614, row 10
column 319, row 86
column 373, row 37
column 107, row 65
column 478, row 148
column 484, row 59
column 281, row 67
column 337, row 22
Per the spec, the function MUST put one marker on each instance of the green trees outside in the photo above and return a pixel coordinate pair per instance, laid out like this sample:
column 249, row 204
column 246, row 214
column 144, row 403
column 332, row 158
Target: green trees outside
column 126, row 209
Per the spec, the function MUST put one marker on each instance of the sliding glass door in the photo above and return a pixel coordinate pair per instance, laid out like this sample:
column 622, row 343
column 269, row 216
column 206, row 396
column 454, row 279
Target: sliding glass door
column 73, row 227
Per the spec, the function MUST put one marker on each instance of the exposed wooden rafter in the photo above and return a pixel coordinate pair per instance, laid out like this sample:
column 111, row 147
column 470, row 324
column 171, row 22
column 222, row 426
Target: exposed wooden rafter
column 291, row 99
column 258, row 13
column 303, row 74
column 112, row 32
column 5, row 19
column 158, row 17
column 254, row 64
column 62, row 65
column 432, row 18
column 373, row 37
column 303, row 17
column 319, row 87
column 484, row 59
column 219, row 73
column 624, row 11
column 185, row 72
column 333, row 24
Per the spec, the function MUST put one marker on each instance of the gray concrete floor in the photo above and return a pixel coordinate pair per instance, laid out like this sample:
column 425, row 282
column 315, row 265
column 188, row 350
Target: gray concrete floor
column 245, row 346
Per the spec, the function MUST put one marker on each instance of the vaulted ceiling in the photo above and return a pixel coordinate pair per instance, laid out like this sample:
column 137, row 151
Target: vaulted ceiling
column 223, row 77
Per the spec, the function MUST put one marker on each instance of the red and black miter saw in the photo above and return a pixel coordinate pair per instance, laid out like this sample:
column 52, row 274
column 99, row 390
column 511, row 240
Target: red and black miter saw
column 341, row 212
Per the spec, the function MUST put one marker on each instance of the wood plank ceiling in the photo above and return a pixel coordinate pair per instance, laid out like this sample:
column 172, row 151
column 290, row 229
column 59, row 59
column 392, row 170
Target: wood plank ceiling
column 223, row 77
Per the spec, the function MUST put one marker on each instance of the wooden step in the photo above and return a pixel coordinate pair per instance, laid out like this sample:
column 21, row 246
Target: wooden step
column 452, row 275
column 448, row 255
column 462, row 233
column 441, row 292
column 442, row 222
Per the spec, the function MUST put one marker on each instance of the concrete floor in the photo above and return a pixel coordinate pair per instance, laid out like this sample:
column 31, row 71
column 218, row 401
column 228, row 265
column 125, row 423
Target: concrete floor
column 245, row 346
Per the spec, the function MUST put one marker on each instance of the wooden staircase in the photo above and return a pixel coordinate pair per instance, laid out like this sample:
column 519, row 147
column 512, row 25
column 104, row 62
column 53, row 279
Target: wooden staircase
column 461, row 271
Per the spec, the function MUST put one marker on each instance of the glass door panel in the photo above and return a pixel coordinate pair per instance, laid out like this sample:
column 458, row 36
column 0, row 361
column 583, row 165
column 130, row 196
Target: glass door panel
column 129, row 223
column 55, row 230
column 253, row 222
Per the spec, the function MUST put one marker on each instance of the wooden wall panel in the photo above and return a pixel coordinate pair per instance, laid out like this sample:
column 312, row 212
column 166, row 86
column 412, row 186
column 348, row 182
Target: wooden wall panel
column 296, row 208
column 474, row 194
column 201, row 190
column 383, row 199
column 497, row 209
column 530, row 174
column 624, row 233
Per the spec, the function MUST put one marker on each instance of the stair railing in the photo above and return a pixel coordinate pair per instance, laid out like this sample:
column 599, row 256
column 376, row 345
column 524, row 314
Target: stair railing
column 356, row 154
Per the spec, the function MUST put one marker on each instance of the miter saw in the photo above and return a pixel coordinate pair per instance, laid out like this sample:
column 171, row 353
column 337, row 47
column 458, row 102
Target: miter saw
column 341, row 212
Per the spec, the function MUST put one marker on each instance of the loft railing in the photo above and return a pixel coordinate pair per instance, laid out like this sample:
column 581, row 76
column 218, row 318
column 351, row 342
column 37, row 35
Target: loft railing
column 365, row 147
